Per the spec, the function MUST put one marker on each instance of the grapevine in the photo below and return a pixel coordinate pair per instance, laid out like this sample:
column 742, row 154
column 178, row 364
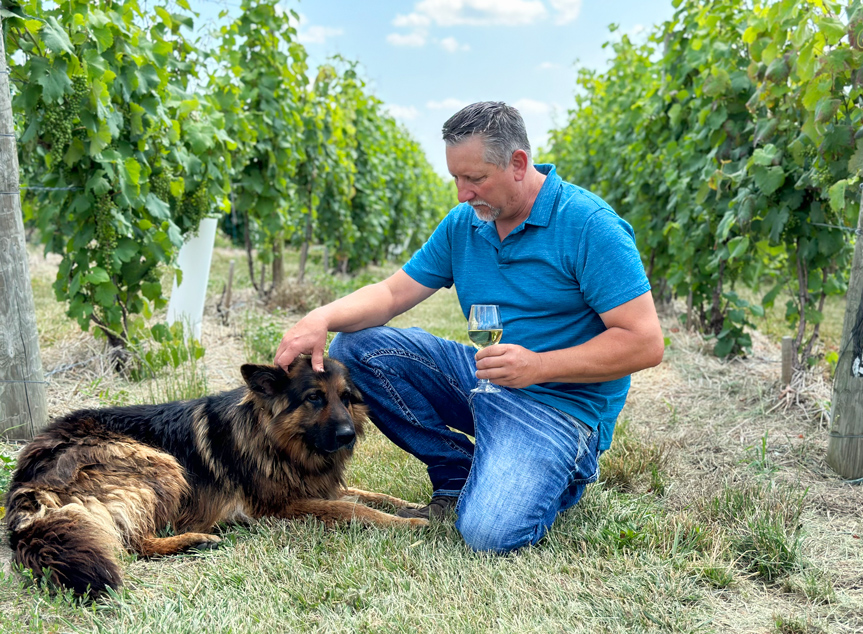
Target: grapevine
column 728, row 142
column 105, row 94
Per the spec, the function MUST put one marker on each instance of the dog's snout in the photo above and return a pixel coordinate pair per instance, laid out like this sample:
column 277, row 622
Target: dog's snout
column 345, row 434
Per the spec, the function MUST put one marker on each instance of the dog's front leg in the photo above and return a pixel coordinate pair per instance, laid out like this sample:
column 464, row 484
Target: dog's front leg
column 370, row 497
column 333, row 511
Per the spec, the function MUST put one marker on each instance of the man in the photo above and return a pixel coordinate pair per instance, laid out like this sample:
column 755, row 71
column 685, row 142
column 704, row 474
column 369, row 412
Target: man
column 578, row 319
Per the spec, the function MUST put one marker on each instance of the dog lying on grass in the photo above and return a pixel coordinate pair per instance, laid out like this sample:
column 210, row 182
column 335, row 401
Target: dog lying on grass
column 97, row 481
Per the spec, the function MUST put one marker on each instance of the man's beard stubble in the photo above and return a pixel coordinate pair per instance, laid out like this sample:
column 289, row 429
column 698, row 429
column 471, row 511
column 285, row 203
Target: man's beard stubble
column 488, row 214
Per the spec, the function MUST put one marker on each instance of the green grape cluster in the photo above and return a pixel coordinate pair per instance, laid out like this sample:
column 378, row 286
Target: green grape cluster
column 195, row 205
column 60, row 117
column 80, row 88
column 106, row 233
column 160, row 184
column 58, row 123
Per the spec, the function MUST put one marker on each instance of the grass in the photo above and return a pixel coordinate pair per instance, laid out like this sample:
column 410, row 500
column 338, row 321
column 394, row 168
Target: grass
column 714, row 512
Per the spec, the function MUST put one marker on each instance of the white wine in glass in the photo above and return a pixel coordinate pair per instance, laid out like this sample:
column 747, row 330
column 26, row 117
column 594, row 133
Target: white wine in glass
column 484, row 328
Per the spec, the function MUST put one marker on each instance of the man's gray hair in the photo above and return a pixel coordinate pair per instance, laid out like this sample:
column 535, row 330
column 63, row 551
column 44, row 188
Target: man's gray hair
column 500, row 127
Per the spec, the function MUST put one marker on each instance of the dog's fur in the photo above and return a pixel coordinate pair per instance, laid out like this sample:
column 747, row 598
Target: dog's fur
column 101, row 480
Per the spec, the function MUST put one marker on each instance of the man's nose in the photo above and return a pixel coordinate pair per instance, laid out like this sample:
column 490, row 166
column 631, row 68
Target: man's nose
column 465, row 194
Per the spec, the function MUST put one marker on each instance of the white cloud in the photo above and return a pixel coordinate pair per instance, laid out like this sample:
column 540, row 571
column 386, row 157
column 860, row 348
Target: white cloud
column 415, row 39
column 412, row 20
column 317, row 34
column 531, row 106
column 548, row 66
column 451, row 45
column 478, row 12
column 307, row 34
column 567, row 10
column 405, row 113
column 447, row 104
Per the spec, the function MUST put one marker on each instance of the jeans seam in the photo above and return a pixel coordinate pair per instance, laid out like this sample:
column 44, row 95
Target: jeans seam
column 413, row 357
column 397, row 399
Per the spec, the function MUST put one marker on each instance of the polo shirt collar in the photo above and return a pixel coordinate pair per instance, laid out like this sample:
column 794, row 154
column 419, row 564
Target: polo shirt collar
column 540, row 213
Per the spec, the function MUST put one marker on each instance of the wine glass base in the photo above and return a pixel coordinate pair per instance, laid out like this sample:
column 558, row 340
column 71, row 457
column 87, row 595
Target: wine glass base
column 485, row 389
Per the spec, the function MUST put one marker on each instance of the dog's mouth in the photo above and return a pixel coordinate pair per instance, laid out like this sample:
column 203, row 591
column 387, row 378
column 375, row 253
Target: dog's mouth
column 330, row 451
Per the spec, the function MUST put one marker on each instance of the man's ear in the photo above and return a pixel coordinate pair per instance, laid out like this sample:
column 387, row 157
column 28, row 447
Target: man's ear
column 266, row 380
column 520, row 163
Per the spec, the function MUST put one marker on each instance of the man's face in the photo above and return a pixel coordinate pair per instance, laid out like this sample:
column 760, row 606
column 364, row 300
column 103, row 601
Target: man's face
column 484, row 186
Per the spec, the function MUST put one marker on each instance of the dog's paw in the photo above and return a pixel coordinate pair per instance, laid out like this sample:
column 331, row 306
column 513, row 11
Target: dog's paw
column 210, row 543
column 417, row 521
column 411, row 505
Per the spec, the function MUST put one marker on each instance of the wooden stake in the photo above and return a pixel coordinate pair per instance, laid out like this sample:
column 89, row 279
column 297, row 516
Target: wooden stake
column 230, row 285
column 23, row 407
column 787, row 360
column 845, row 447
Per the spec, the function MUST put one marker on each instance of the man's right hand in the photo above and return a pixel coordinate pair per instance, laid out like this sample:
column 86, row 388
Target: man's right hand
column 307, row 336
column 371, row 305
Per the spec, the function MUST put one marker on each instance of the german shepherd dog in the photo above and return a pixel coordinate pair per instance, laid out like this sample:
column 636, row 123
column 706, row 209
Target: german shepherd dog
column 100, row 480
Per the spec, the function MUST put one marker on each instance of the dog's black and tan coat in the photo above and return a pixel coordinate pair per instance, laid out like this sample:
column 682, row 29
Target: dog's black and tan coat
column 101, row 480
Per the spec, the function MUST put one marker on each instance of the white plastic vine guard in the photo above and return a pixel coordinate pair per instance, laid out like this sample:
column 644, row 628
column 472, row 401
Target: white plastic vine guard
column 187, row 299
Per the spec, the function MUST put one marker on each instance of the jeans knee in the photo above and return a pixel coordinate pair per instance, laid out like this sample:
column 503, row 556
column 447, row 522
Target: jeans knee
column 483, row 532
column 350, row 347
column 340, row 347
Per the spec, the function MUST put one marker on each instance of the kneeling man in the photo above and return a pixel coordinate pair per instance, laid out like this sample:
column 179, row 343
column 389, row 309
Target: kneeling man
column 578, row 319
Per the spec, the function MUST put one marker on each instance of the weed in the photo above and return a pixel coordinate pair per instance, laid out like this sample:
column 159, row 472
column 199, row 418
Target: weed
column 630, row 458
column 99, row 388
column 261, row 337
column 7, row 468
column 792, row 625
column 815, row 585
column 762, row 462
column 717, row 576
column 763, row 522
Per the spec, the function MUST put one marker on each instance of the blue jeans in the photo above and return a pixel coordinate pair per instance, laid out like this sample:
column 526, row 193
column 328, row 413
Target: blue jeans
column 530, row 461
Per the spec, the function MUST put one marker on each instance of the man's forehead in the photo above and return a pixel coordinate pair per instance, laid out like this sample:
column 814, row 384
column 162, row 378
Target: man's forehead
column 466, row 161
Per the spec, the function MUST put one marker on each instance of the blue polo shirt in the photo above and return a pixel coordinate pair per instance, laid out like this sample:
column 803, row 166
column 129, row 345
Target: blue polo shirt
column 572, row 259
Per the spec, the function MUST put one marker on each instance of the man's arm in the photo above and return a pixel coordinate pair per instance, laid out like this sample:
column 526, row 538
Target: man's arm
column 372, row 305
column 633, row 341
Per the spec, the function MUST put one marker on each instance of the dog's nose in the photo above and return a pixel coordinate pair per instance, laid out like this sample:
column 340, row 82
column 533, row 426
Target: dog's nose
column 345, row 435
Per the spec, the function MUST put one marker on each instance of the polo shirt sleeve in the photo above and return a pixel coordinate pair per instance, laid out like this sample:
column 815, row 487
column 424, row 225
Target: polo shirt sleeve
column 431, row 266
column 608, row 267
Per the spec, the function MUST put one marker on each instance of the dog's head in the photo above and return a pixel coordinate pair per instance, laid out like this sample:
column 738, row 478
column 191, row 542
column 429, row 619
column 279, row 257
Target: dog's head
column 323, row 411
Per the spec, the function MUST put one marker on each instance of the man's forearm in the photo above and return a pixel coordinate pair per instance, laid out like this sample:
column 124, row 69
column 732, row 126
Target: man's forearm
column 366, row 307
column 610, row 355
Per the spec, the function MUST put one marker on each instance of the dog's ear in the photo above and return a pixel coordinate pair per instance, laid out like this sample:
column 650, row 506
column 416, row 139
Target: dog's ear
column 266, row 380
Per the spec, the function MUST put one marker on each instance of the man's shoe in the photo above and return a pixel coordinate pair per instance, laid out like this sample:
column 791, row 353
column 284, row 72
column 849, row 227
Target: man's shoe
column 439, row 507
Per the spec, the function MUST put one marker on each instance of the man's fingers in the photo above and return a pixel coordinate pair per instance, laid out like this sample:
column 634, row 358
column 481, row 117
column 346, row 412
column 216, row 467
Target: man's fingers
column 492, row 351
column 283, row 358
column 318, row 359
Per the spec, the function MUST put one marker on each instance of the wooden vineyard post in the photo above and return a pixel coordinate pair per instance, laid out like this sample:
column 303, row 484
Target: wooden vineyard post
column 845, row 448
column 787, row 360
column 23, row 407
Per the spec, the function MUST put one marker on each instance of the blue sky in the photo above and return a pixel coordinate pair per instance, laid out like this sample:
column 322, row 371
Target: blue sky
column 426, row 58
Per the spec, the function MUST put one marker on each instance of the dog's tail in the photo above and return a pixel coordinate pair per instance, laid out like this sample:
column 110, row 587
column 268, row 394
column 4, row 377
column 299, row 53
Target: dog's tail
column 68, row 546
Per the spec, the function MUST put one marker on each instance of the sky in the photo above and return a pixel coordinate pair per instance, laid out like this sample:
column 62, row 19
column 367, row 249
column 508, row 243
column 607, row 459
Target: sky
column 425, row 59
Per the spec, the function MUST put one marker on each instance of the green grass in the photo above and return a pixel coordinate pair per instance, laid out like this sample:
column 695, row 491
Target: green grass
column 678, row 535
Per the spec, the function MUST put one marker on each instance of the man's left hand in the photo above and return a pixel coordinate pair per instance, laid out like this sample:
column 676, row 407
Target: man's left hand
column 509, row 365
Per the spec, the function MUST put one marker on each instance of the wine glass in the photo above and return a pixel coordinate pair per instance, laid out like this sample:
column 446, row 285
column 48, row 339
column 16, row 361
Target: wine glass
column 484, row 328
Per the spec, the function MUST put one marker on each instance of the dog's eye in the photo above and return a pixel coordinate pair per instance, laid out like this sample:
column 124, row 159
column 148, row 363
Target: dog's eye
column 315, row 397
column 346, row 399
